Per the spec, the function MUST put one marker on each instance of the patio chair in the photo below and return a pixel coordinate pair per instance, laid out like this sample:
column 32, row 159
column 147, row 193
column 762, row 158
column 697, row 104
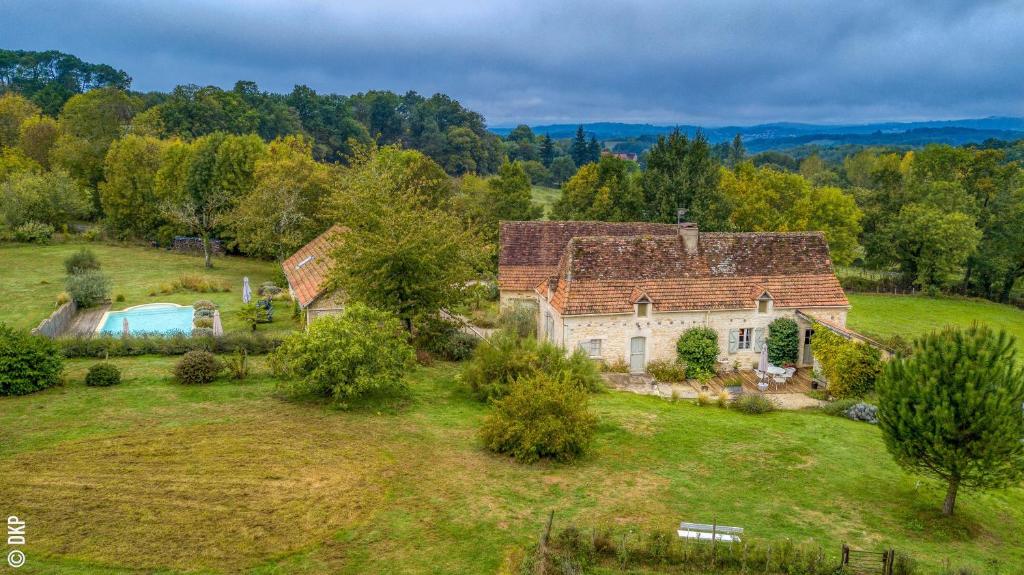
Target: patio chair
column 790, row 372
column 779, row 380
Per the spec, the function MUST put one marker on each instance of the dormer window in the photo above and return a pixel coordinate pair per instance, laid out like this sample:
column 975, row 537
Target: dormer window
column 764, row 303
column 643, row 307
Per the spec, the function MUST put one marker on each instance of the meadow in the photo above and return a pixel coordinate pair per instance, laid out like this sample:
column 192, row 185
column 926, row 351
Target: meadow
column 122, row 479
column 911, row 316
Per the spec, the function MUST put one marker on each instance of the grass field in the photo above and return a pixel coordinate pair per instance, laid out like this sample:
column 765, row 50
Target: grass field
column 154, row 476
column 34, row 275
column 909, row 316
column 546, row 197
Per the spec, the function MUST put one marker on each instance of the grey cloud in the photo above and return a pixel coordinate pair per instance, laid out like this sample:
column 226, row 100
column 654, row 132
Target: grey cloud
column 738, row 61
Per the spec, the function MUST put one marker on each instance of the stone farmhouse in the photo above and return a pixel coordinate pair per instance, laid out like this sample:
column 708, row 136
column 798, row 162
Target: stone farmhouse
column 307, row 271
column 627, row 291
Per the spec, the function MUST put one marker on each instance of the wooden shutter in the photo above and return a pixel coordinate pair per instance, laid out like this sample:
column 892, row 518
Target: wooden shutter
column 734, row 340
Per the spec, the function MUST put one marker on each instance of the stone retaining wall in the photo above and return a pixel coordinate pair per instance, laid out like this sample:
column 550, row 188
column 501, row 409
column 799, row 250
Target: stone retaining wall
column 58, row 322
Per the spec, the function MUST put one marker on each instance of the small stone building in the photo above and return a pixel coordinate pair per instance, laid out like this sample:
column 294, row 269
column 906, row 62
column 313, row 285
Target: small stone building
column 627, row 291
column 307, row 271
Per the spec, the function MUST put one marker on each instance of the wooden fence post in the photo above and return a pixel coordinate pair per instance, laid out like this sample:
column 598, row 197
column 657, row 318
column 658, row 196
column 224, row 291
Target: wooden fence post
column 846, row 554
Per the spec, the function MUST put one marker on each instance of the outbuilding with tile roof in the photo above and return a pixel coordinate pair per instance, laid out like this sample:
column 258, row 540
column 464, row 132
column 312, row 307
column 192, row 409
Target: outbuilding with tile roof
column 308, row 273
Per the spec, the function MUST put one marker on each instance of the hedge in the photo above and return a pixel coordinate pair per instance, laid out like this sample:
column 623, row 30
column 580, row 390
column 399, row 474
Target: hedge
column 850, row 367
column 159, row 344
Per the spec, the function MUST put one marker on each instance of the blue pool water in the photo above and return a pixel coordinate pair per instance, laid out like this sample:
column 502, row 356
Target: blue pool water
column 150, row 318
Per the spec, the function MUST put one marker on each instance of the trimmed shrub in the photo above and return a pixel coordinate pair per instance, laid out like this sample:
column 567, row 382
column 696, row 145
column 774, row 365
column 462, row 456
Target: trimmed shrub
column 28, row 363
column 88, row 288
column 542, row 417
column 506, row 358
column 345, row 356
column 203, row 312
column 81, row 261
column 667, row 371
column 697, row 348
column 203, row 322
column 204, row 304
column 268, row 289
column 783, row 341
column 754, row 404
column 103, row 375
column 202, row 332
column 196, row 367
column 850, row 368
column 33, row 232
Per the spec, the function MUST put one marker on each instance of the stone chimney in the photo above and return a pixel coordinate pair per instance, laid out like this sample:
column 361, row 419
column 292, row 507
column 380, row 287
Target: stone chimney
column 689, row 233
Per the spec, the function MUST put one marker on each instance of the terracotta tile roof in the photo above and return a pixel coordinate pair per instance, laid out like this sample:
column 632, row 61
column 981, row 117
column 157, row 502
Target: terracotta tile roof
column 529, row 252
column 601, row 274
column 307, row 269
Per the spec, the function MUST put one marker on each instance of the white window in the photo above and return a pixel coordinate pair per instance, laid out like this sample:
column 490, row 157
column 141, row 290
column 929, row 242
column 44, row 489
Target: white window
column 642, row 309
column 745, row 337
column 592, row 347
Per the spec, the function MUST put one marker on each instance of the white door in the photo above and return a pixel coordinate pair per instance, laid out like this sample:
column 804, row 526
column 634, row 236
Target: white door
column 637, row 354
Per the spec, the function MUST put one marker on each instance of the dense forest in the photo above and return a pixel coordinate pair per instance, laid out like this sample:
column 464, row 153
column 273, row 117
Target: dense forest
column 267, row 172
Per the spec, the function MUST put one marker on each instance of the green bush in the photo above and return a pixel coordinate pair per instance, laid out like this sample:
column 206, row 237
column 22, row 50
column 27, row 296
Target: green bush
column 204, row 304
column 88, row 288
column 202, row 332
column 103, row 375
column 839, row 407
column 28, row 363
column 541, row 417
column 33, row 232
column 783, row 341
column 81, row 261
column 238, row 365
column 617, row 365
column 203, row 322
column 506, row 358
column 196, row 367
column 519, row 319
column 851, row 368
column 363, row 350
column 754, row 404
column 697, row 348
column 161, row 344
column 443, row 338
column 666, row 370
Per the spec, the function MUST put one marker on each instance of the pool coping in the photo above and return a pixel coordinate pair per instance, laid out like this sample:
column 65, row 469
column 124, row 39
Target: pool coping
column 103, row 318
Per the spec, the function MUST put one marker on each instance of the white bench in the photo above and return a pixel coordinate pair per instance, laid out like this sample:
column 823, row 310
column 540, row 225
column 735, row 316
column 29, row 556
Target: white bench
column 705, row 532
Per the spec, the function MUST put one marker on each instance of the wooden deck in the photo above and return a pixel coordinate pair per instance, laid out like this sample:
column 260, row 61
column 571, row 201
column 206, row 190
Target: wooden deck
column 799, row 383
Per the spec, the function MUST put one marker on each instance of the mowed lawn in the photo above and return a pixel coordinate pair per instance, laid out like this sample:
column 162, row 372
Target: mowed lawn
column 234, row 477
column 910, row 316
column 34, row 276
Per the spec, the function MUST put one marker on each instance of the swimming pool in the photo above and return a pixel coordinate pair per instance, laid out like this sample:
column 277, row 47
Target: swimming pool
column 149, row 318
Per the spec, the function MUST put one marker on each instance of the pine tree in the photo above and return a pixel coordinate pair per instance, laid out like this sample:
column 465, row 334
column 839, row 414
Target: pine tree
column 594, row 150
column 547, row 151
column 952, row 410
column 737, row 152
column 578, row 150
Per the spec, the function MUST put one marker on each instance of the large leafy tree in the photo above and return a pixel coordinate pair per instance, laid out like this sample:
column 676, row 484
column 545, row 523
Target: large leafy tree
column 768, row 200
column 282, row 211
column 927, row 243
column 50, row 78
column 402, row 252
column 952, row 410
column 682, row 174
column 88, row 124
column 607, row 190
column 53, row 198
column 36, row 138
column 205, row 180
column 503, row 197
column 128, row 192
column 14, row 109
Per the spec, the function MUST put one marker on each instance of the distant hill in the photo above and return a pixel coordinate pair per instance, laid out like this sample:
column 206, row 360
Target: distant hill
column 782, row 135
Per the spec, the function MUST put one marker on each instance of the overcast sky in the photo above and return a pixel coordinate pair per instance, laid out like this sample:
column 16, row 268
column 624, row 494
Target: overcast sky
column 712, row 63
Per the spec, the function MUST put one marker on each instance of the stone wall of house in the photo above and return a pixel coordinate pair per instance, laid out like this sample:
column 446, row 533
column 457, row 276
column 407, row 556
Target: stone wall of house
column 662, row 330
column 508, row 297
column 330, row 303
column 58, row 322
